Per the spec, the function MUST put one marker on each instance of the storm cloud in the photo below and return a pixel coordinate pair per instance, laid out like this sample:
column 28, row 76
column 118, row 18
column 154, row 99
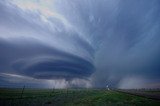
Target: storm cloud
column 101, row 42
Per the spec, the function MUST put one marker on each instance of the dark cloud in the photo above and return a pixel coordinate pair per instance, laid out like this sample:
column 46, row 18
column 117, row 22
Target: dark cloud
column 28, row 50
column 39, row 61
column 120, row 38
column 131, row 45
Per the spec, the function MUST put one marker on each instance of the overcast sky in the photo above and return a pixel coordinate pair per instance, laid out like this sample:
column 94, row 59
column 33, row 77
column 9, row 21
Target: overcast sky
column 80, row 43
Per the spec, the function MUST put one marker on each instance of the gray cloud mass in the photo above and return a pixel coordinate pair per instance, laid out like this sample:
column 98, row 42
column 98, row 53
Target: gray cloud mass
column 89, row 42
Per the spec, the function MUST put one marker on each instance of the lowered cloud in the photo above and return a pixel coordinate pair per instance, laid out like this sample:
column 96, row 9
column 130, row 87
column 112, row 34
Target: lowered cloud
column 89, row 42
column 39, row 49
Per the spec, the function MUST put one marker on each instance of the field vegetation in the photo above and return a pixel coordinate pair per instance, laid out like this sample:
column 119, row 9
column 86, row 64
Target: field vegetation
column 71, row 97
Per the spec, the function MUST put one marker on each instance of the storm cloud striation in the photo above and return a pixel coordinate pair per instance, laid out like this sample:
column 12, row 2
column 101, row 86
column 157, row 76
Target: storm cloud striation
column 81, row 43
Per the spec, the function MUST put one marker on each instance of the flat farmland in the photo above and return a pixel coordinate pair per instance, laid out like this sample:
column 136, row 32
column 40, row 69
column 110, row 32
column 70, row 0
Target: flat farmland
column 150, row 94
column 72, row 97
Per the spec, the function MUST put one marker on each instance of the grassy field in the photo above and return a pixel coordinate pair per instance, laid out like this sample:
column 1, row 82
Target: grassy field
column 71, row 97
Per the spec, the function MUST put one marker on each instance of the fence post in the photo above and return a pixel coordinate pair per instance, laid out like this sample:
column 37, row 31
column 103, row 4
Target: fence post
column 22, row 91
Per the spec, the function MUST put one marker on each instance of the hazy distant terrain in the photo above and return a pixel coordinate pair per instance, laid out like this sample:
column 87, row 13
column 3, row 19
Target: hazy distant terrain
column 71, row 97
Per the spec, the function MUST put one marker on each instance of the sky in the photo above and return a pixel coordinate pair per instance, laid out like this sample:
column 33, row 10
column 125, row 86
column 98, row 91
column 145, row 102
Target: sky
column 80, row 43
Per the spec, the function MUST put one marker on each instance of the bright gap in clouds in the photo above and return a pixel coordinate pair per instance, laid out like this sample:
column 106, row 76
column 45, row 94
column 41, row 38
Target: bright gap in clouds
column 43, row 7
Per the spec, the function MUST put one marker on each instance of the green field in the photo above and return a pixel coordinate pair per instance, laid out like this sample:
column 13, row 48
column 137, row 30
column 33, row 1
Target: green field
column 71, row 97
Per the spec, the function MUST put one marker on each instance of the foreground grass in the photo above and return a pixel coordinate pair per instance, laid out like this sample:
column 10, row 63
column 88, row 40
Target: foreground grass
column 83, row 97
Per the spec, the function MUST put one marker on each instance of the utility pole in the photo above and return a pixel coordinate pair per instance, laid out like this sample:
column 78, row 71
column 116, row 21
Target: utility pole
column 22, row 91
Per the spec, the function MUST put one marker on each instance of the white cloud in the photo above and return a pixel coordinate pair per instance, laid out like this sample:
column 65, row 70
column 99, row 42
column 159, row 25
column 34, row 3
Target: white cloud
column 131, row 82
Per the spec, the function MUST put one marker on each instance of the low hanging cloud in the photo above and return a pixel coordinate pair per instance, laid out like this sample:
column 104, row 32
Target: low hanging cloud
column 89, row 42
column 32, row 53
column 14, row 80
